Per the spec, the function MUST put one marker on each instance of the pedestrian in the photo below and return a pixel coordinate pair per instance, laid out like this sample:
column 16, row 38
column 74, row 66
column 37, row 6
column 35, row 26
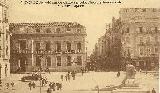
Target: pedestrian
column 12, row 84
column 66, row 77
column 30, row 85
column 153, row 90
column 49, row 90
column 57, row 85
column 62, row 77
column 53, row 86
column 7, row 85
column 50, row 85
column 82, row 71
column 33, row 85
column 73, row 75
column 118, row 74
column 60, row 86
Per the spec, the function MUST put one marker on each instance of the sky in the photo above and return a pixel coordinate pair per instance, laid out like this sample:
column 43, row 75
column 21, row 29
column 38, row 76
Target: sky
column 93, row 17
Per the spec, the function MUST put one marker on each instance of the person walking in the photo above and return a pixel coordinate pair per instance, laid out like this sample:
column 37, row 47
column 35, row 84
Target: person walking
column 62, row 77
column 66, row 77
column 153, row 90
column 7, row 85
column 118, row 74
column 30, row 85
column 33, row 85
column 49, row 90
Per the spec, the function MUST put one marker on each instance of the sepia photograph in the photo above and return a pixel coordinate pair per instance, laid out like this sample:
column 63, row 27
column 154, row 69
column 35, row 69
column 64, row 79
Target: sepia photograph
column 79, row 46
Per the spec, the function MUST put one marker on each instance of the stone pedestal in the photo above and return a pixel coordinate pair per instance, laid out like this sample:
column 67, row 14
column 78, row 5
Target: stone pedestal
column 131, row 90
column 131, row 86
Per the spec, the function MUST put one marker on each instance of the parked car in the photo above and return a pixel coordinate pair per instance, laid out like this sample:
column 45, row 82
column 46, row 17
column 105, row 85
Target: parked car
column 33, row 77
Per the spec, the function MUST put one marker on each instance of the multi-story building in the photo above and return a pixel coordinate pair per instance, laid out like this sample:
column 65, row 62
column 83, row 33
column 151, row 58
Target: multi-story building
column 59, row 46
column 4, row 41
column 107, row 52
column 141, row 36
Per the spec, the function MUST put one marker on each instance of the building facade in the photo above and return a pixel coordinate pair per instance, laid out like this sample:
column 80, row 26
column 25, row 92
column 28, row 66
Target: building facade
column 4, row 41
column 107, row 52
column 59, row 46
column 141, row 36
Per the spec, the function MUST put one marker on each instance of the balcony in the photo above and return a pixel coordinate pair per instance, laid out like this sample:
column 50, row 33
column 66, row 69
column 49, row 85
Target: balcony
column 25, row 51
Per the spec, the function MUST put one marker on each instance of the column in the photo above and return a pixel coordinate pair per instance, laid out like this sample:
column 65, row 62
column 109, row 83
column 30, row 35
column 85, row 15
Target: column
column 32, row 51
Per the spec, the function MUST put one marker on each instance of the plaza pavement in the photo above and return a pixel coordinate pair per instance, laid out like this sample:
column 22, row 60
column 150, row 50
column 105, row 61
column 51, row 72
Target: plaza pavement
column 82, row 84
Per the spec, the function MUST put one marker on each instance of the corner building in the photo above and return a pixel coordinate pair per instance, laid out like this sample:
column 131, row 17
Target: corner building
column 59, row 46
column 4, row 41
column 141, row 36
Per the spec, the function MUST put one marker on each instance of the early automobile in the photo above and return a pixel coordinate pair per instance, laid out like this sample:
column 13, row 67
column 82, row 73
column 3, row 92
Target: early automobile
column 33, row 77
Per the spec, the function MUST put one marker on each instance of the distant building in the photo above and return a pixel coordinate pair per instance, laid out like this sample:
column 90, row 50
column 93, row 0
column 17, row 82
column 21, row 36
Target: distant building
column 59, row 46
column 4, row 41
column 107, row 52
column 141, row 36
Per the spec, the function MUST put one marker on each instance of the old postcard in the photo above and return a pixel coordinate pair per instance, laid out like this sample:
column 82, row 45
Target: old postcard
column 79, row 46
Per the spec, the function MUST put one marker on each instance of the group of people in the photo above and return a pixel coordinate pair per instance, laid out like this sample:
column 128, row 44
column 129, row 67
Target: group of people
column 7, row 84
column 69, row 75
column 54, row 86
column 31, row 84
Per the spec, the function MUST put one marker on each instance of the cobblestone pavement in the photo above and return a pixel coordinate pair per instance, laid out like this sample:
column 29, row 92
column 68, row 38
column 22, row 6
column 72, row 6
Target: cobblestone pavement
column 82, row 84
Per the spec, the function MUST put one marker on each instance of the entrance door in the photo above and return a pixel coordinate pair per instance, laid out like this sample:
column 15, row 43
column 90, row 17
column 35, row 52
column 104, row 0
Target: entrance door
column 141, row 63
column 23, row 64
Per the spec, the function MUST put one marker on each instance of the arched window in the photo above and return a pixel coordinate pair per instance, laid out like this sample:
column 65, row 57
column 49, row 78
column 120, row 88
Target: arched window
column 38, row 30
column 68, row 60
column 79, row 47
column 68, row 46
column 48, row 46
column 48, row 60
column 58, row 30
column 48, row 30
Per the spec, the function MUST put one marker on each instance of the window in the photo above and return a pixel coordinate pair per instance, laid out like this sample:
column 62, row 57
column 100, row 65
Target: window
column 68, row 60
column 48, row 30
column 58, row 46
column 148, row 40
column 38, row 46
column 127, row 30
column 58, row 60
column 48, row 59
column 79, row 47
column 141, row 51
column 140, row 29
column 127, row 39
column 48, row 46
column 78, row 30
column 68, row 29
column 144, row 10
column 38, row 61
column 156, row 39
column 156, row 29
column 0, row 54
column 6, row 36
column 141, row 40
column 0, row 48
column 79, row 60
column 6, row 50
column 68, row 47
column 22, row 44
column 154, row 10
column 38, row 30
column 58, row 30
column 156, row 50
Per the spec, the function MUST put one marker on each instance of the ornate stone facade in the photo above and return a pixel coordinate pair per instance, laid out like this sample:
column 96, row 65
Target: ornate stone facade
column 4, row 41
column 59, row 46
column 141, row 36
